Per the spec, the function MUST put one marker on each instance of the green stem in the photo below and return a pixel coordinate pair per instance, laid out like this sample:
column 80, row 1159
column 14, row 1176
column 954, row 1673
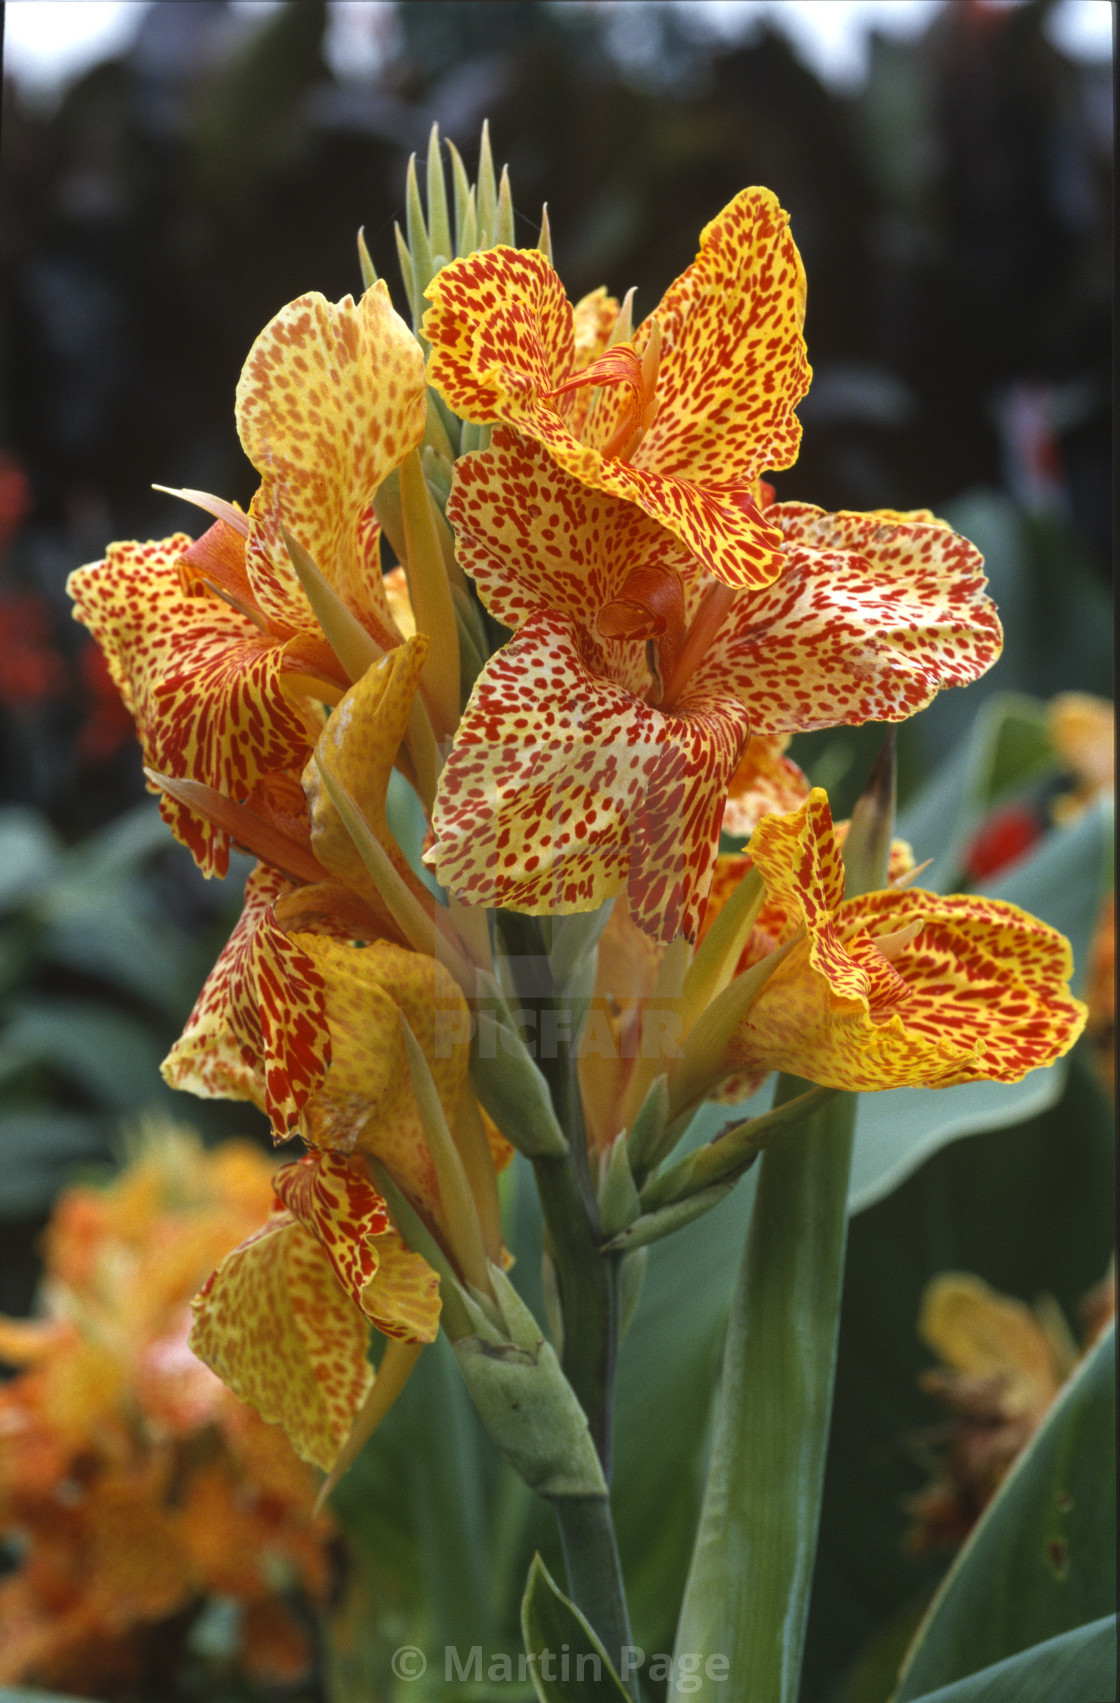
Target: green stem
column 747, row 1596
column 594, row 1575
column 585, row 1278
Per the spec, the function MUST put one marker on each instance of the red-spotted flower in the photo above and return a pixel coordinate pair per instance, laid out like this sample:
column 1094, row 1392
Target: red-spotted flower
column 598, row 745
column 680, row 419
column 213, row 644
column 897, row 988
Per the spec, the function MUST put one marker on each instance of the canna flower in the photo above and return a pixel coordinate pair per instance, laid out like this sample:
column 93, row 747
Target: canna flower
column 679, row 419
column 898, row 988
column 213, row 644
column 1003, row 1364
column 599, row 745
column 136, row 1485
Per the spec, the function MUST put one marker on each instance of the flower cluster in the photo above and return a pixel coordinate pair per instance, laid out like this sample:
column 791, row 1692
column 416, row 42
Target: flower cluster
column 136, row 1487
column 599, row 635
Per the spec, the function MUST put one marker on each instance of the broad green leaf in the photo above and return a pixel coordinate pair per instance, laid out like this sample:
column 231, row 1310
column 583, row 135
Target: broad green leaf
column 38, row 1153
column 29, row 853
column 1030, row 1210
column 17, row 1694
column 1077, row 1667
column 114, row 1058
column 568, row 1663
column 747, row 1594
column 1042, row 1558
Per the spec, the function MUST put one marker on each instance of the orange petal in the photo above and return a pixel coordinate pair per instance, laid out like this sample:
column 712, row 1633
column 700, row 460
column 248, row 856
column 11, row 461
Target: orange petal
column 202, row 681
column 275, row 1325
column 766, row 783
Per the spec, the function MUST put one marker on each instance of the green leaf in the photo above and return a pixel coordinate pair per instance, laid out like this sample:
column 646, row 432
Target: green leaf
column 1053, row 1233
column 38, row 1151
column 1077, row 1666
column 568, row 1663
column 17, row 1694
column 1042, row 1558
column 29, row 854
column 114, row 1058
column 747, row 1595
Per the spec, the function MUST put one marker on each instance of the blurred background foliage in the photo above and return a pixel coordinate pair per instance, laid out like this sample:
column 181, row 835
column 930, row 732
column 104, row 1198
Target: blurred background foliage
column 953, row 215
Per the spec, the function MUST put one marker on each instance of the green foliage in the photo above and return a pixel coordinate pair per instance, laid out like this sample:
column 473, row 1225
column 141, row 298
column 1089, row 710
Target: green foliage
column 1079, row 1666
column 553, row 1627
column 1042, row 1560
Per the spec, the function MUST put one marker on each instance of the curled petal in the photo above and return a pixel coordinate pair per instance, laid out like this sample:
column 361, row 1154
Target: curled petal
column 334, row 1199
column 258, row 1030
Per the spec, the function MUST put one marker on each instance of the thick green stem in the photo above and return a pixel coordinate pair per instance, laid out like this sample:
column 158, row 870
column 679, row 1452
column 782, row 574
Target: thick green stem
column 747, row 1596
column 594, row 1576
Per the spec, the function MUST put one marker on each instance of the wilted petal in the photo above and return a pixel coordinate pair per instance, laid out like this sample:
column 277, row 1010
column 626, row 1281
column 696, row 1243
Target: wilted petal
column 202, row 681
column 334, row 1199
column 276, row 1326
column 366, row 1103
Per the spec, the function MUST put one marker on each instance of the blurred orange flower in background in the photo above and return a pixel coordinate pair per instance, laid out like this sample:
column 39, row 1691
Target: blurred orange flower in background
column 133, row 1485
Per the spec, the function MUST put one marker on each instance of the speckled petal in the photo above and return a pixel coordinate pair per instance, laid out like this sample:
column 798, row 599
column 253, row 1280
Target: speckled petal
column 366, row 1104
column 869, row 619
column 274, row 1324
column 258, row 1030
column 330, row 400
column 502, row 345
column 534, row 537
column 202, row 681
column 977, row 993
column 334, row 1199
column 561, row 785
column 733, row 366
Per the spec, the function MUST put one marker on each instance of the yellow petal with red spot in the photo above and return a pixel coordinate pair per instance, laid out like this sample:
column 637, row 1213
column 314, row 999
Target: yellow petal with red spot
column 533, row 537
column 334, row 1199
column 275, row 1325
column 732, row 370
column 359, row 746
column 330, row 400
column 867, row 621
column 201, row 679
column 562, row 786
column 976, row 991
column 258, row 1030
column 366, row 1103
column 733, row 366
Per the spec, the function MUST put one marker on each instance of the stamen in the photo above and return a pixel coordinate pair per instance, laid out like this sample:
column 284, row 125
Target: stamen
column 706, row 623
